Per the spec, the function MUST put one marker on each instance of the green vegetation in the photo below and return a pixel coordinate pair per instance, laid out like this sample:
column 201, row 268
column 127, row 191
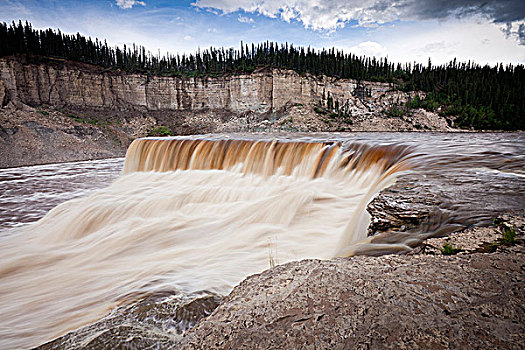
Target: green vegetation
column 488, row 248
column 395, row 111
column 319, row 110
column 449, row 249
column 427, row 103
column 508, row 235
column 481, row 97
column 466, row 114
column 508, row 238
column 160, row 131
column 336, row 110
column 82, row 120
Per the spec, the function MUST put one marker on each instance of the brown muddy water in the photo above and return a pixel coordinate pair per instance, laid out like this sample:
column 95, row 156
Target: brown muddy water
column 185, row 215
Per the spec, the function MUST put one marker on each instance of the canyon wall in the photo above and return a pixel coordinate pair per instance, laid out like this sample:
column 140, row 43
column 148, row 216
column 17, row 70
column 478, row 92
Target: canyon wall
column 265, row 90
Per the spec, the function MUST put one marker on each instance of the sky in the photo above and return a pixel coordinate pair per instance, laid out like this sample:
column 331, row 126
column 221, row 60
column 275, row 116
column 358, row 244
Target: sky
column 484, row 31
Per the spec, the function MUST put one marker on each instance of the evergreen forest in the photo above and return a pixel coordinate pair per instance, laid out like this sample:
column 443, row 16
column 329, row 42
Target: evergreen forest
column 475, row 96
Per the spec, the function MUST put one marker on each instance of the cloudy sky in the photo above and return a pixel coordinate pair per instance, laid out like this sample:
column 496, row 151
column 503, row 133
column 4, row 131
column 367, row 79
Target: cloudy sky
column 486, row 31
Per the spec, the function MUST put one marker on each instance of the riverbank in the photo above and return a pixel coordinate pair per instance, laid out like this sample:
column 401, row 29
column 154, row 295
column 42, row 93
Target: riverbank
column 46, row 134
column 424, row 299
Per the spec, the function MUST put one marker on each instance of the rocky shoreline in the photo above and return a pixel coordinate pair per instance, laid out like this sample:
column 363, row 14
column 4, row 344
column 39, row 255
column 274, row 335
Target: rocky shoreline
column 425, row 299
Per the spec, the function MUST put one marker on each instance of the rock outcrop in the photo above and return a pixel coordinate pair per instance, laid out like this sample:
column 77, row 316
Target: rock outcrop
column 29, row 136
column 423, row 300
column 60, row 83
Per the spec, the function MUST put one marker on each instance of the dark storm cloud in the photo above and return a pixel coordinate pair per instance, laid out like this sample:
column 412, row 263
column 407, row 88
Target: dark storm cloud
column 509, row 12
column 502, row 11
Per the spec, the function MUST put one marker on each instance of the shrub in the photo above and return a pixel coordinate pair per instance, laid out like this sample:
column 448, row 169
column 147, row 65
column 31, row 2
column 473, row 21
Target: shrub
column 508, row 236
column 160, row 131
column 395, row 112
column 449, row 249
column 319, row 110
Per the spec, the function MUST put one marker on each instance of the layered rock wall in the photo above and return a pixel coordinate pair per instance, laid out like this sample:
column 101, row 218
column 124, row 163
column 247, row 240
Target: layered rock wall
column 266, row 90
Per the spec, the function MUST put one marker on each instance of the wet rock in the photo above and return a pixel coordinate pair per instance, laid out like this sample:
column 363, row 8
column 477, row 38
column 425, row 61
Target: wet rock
column 11, row 131
column 481, row 239
column 401, row 207
column 156, row 321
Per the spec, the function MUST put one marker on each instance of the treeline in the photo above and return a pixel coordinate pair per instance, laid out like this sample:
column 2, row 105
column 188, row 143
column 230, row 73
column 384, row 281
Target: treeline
column 483, row 97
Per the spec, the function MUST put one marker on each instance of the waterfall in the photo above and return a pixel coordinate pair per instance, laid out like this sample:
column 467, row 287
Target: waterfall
column 188, row 214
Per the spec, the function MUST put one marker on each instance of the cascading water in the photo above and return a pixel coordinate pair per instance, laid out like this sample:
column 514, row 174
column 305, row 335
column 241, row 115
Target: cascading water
column 188, row 214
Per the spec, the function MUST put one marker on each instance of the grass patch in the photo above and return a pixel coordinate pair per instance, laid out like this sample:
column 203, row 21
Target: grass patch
column 395, row 112
column 160, row 131
column 84, row 121
column 449, row 249
column 508, row 236
column 488, row 248
column 319, row 110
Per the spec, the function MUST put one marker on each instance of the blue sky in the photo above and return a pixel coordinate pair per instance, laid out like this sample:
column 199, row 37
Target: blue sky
column 403, row 30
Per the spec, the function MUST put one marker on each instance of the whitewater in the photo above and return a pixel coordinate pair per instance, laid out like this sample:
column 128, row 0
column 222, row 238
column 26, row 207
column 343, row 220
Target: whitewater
column 188, row 215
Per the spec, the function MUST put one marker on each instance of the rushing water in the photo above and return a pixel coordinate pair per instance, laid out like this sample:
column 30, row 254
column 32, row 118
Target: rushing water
column 213, row 212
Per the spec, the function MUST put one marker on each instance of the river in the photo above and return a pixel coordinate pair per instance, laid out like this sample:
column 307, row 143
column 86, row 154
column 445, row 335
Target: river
column 232, row 208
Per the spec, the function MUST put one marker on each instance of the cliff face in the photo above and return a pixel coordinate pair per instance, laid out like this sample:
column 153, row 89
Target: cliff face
column 266, row 90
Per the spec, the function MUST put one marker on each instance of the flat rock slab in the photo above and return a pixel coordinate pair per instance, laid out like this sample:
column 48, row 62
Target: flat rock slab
column 418, row 301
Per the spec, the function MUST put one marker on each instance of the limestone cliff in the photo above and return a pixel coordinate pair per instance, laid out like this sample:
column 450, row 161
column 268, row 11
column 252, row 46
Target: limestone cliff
column 265, row 90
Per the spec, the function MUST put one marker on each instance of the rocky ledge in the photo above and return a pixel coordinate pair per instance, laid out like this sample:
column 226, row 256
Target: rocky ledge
column 469, row 295
column 419, row 300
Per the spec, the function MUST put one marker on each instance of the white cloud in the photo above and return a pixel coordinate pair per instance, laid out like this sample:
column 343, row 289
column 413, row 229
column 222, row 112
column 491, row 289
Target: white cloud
column 515, row 30
column 333, row 14
column 127, row 4
column 243, row 19
column 314, row 14
column 187, row 37
column 369, row 48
